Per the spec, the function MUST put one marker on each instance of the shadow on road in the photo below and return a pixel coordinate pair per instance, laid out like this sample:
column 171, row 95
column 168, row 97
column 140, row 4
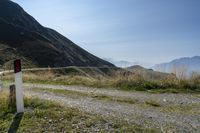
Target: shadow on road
column 16, row 122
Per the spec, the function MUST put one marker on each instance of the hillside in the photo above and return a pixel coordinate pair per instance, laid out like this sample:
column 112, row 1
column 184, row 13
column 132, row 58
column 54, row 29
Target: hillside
column 38, row 45
column 149, row 74
column 7, row 54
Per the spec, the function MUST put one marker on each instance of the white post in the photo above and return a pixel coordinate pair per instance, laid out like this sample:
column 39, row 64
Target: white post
column 19, row 89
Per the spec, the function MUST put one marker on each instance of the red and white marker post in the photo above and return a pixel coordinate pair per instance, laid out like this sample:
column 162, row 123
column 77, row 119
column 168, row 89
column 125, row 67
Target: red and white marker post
column 18, row 84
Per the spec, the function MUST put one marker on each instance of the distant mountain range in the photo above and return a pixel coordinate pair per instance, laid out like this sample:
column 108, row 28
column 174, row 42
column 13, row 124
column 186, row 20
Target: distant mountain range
column 121, row 63
column 187, row 64
column 21, row 36
column 125, row 64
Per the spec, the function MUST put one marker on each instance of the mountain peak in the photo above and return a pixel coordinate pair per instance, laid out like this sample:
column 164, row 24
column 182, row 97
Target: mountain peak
column 136, row 67
column 14, row 14
column 7, row 5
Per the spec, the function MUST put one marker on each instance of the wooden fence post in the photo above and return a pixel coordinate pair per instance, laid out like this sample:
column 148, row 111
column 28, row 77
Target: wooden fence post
column 12, row 96
column 1, row 86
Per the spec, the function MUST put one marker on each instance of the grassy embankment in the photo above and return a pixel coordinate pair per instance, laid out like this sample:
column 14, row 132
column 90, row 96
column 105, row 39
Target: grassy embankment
column 46, row 116
column 119, row 79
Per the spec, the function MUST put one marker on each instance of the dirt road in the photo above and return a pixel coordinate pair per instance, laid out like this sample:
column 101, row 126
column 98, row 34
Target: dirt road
column 175, row 113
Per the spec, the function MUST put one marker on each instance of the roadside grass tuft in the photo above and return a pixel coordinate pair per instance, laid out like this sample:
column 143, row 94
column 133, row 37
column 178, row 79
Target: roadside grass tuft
column 152, row 103
column 191, row 109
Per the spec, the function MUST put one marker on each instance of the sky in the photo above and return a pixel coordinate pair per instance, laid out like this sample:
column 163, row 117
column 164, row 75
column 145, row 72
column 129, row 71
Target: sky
column 145, row 31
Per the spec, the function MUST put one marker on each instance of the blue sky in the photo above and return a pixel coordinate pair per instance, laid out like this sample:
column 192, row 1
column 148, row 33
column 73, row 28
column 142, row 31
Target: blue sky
column 147, row 31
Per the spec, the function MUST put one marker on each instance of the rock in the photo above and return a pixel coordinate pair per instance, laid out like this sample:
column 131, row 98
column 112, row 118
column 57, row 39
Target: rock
column 164, row 100
column 50, row 121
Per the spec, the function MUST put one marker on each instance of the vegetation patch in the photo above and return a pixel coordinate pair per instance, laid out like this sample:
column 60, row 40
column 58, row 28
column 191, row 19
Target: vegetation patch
column 192, row 109
column 153, row 103
column 109, row 78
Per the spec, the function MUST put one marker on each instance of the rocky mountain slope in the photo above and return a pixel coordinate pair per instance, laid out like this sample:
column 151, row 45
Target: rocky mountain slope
column 38, row 45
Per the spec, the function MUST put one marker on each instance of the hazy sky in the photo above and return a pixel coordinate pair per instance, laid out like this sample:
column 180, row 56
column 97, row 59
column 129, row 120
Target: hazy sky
column 150, row 31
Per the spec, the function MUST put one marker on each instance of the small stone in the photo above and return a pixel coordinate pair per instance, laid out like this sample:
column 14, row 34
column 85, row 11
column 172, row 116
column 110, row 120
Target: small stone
column 150, row 117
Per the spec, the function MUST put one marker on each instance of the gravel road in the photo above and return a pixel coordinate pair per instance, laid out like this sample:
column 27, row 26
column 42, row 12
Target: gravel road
column 179, row 120
column 142, row 96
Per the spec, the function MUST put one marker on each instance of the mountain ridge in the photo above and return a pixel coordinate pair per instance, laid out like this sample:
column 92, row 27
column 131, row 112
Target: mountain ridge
column 191, row 64
column 43, row 46
column 149, row 74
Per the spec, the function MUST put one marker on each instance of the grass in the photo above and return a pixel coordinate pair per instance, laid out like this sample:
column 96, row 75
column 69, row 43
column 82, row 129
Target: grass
column 153, row 103
column 94, row 78
column 192, row 109
column 46, row 116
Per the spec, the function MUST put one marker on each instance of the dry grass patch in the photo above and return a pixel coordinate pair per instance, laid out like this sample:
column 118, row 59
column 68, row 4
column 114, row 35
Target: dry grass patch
column 109, row 78
column 153, row 103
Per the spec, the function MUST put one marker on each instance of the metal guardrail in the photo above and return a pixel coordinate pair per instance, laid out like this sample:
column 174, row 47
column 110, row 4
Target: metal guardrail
column 51, row 68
